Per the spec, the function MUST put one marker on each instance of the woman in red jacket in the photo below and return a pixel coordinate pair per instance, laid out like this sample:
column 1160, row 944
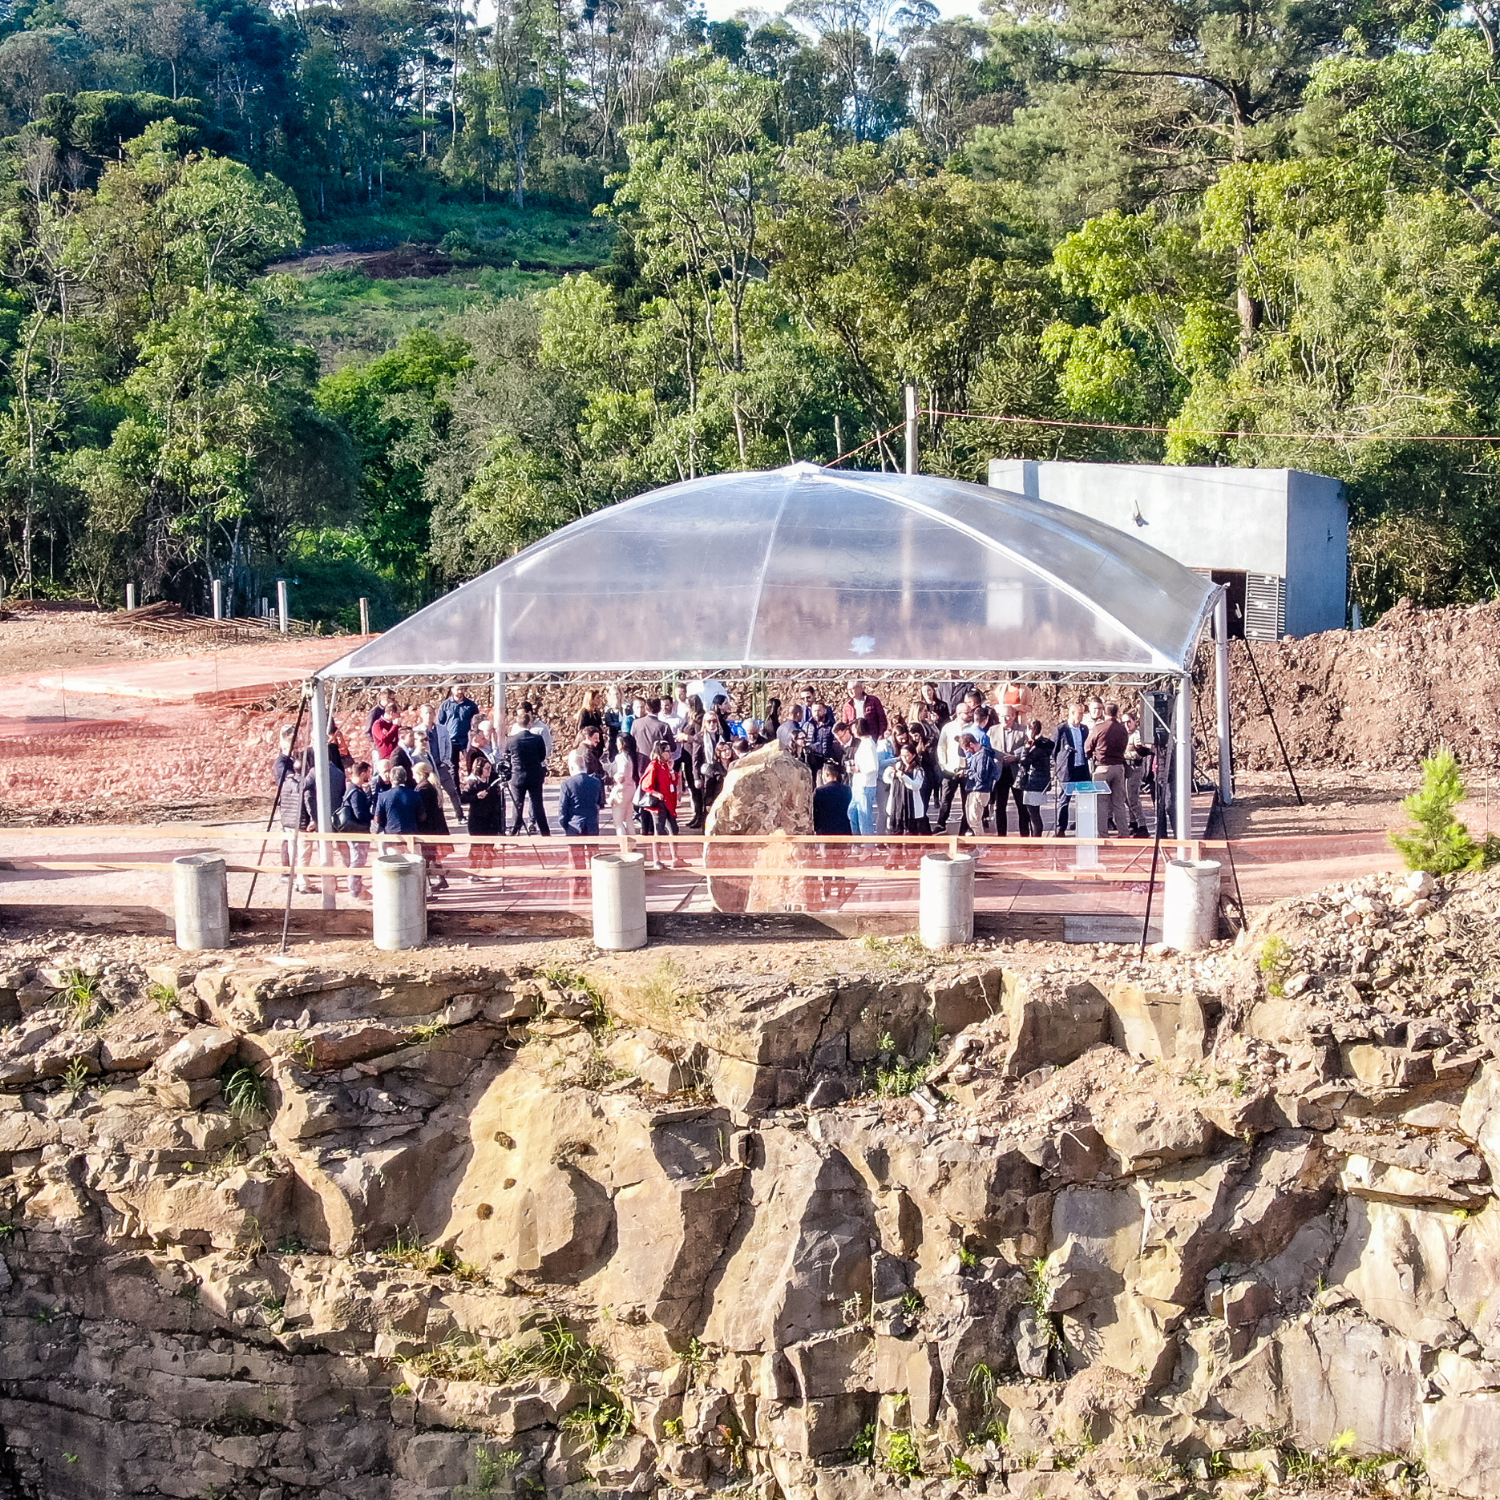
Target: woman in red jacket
column 656, row 799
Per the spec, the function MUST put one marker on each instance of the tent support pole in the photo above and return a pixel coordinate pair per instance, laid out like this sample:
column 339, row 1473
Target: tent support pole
column 324, row 783
column 1184, row 790
column 1221, row 696
column 911, row 427
column 500, row 727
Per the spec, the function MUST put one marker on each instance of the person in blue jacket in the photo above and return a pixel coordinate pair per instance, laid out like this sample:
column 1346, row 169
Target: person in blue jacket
column 981, row 769
column 399, row 810
column 457, row 713
column 581, row 798
column 355, row 815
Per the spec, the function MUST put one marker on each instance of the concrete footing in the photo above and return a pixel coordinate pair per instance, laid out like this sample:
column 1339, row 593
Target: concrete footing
column 200, row 899
column 398, row 886
column 1190, row 904
column 946, row 900
column 619, row 883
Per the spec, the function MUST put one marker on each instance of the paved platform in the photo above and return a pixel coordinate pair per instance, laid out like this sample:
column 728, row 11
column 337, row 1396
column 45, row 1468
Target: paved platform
column 1035, row 893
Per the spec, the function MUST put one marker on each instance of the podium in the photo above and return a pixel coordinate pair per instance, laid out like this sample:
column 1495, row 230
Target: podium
column 1086, row 797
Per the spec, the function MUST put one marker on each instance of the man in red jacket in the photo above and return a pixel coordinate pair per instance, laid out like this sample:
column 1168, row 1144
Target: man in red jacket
column 385, row 732
column 866, row 706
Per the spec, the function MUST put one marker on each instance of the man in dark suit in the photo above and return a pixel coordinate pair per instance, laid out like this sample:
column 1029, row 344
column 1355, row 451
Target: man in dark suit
column 1070, row 761
column 399, row 809
column 526, row 751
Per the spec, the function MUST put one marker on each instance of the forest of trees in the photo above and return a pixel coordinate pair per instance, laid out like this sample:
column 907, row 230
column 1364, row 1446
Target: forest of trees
column 1201, row 231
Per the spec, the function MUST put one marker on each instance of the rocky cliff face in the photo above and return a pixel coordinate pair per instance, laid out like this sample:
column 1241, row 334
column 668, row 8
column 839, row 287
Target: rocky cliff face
column 1041, row 1222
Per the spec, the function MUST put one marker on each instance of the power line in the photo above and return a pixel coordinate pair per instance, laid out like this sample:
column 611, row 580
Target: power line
column 1315, row 437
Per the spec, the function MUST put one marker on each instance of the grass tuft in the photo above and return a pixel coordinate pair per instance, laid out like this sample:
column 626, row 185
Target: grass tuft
column 244, row 1092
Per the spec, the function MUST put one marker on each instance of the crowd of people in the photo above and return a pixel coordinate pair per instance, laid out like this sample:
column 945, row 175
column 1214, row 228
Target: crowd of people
column 643, row 762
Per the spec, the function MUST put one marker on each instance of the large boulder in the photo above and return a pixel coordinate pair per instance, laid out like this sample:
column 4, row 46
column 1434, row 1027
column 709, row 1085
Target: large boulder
column 1158, row 1026
column 1048, row 1025
column 768, row 792
column 200, row 1054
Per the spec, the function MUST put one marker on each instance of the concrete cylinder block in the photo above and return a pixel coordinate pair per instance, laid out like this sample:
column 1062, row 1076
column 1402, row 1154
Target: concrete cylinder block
column 1190, row 904
column 200, row 898
column 619, row 882
column 399, row 891
column 946, row 900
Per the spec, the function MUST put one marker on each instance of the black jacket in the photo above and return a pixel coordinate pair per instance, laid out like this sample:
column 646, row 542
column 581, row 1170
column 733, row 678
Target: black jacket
column 310, row 794
column 1036, row 765
column 526, row 751
column 361, row 804
column 1070, row 763
column 484, row 803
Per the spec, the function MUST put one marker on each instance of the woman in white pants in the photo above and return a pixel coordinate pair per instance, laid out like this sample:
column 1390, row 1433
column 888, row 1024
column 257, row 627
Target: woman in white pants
column 625, row 773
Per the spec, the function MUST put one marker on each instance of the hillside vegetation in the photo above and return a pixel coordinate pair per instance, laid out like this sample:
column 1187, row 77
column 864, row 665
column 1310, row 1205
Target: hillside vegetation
column 651, row 247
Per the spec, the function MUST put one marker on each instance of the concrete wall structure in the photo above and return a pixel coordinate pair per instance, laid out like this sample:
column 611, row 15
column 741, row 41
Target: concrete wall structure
column 1271, row 524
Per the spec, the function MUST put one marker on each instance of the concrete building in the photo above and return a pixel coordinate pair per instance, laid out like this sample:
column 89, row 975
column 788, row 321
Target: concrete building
column 1278, row 538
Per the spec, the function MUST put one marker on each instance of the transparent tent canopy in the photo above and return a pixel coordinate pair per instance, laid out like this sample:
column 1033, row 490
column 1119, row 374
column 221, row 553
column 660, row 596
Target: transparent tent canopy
column 806, row 567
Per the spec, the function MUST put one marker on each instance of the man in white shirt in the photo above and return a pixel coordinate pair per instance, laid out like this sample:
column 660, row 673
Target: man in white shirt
column 953, row 764
column 537, row 726
column 675, row 713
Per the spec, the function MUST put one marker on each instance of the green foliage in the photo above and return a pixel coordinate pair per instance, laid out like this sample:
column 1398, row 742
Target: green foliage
column 244, row 1092
column 862, row 1451
column 491, row 1466
column 1437, row 842
column 982, row 1378
column 1335, row 1463
column 968, row 1259
column 602, row 1419
column 551, row 1349
column 901, row 1455
column 1275, row 959
column 598, row 1019
column 1270, row 231
column 1038, row 1287
column 407, row 1249
column 161, row 997
column 76, row 1078
column 895, row 1076
column 81, row 997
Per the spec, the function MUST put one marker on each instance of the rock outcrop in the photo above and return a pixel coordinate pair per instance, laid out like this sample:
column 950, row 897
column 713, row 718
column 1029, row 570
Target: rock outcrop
column 767, row 793
column 1077, row 1226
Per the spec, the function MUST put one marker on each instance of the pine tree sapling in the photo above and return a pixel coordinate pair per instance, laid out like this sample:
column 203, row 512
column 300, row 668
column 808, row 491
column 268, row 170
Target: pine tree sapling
column 1437, row 842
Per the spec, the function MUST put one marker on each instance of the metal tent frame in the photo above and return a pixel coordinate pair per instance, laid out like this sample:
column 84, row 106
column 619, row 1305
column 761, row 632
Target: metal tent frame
column 773, row 571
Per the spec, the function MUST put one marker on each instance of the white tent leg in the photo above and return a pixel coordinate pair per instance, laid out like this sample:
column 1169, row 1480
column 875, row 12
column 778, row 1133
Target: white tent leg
column 324, row 784
column 500, row 728
column 1184, row 788
column 1221, row 696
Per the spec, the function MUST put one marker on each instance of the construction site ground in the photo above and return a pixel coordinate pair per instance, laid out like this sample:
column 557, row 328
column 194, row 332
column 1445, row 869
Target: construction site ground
column 116, row 750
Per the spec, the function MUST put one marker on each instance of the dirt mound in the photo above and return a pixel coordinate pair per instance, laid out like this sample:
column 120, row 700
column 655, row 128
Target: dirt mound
column 1378, row 698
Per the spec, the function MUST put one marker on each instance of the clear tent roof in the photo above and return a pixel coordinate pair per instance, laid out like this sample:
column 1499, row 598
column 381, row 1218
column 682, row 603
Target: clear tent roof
column 806, row 567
